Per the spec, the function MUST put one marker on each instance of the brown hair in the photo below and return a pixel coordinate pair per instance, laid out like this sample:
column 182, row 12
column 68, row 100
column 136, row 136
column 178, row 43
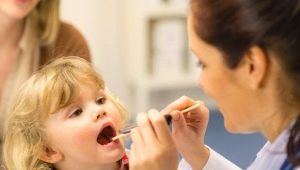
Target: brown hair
column 233, row 26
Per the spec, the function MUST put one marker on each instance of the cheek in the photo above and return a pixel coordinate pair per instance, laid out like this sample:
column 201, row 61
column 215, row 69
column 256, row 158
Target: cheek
column 117, row 120
column 115, row 116
column 206, row 82
column 71, row 135
column 214, row 84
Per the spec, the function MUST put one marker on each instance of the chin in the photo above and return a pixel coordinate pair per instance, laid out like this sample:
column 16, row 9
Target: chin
column 238, row 130
column 115, row 157
column 231, row 128
column 116, row 154
column 19, row 14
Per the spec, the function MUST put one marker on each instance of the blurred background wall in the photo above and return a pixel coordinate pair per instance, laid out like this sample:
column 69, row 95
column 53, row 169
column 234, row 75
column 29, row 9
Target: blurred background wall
column 100, row 21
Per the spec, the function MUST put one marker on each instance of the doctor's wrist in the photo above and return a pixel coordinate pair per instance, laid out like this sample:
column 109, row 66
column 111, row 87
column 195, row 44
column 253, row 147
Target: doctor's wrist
column 199, row 158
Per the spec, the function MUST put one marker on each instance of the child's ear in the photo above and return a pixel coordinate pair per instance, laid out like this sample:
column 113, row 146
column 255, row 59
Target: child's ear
column 50, row 155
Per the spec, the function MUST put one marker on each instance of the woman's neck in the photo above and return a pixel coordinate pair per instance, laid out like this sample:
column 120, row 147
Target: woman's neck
column 11, row 31
column 10, row 35
column 278, row 123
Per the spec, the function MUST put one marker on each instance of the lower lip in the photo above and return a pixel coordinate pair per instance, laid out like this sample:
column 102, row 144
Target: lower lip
column 112, row 144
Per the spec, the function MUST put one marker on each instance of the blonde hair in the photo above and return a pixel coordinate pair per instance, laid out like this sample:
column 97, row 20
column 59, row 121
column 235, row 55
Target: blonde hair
column 44, row 18
column 48, row 90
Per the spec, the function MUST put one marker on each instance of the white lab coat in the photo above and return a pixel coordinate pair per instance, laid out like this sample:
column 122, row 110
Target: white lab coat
column 271, row 156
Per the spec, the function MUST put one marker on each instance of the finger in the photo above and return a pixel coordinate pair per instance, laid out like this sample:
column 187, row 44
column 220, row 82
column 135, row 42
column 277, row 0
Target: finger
column 137, row 139
column 200, row 113
column 178, row 121
column 160, row 126
column 134, row 161
column 145, row 128
column 197, row 119
column 133, row 154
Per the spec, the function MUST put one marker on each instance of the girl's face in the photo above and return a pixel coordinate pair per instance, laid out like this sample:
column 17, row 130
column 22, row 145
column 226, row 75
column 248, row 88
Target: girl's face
column 17, row 9
column 82, row 131
column 226, row 86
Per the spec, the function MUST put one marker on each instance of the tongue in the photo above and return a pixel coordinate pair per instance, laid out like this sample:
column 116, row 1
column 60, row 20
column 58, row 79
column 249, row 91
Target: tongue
column 103, row 140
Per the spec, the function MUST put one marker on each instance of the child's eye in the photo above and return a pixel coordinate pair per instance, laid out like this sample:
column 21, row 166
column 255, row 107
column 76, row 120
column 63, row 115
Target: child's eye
column 76, row 113
column 101, row 100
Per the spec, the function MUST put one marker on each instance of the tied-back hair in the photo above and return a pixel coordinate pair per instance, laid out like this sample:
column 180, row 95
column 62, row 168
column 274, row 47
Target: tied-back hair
column 47, row 91
column 44, row 18
column 234, row 26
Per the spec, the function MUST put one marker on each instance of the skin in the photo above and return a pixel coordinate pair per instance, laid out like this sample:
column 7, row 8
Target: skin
column 17, row 9
column 152, row 145
column 72, row 132
column 12, row 15
column 247, row 96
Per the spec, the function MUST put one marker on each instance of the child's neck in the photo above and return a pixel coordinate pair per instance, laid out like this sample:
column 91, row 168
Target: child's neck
column 113, row 166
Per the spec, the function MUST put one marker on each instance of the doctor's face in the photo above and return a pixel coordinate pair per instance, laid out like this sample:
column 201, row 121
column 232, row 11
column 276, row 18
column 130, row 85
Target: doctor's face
column 222, row 84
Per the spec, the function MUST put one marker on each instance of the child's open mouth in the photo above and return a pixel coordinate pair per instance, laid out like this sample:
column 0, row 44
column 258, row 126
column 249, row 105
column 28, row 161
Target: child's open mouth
column 106, row 135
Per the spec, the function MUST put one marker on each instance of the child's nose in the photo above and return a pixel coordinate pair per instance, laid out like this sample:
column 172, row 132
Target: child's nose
column 100, row 114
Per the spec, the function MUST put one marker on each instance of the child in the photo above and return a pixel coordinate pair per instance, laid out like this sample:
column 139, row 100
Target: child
column 64, row 118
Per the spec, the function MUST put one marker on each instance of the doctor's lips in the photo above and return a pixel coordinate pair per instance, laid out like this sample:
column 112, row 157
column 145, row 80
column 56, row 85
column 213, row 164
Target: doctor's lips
column 106, row 134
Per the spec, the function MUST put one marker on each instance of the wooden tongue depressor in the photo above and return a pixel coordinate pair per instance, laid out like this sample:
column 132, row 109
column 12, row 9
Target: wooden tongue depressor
column 126, row 131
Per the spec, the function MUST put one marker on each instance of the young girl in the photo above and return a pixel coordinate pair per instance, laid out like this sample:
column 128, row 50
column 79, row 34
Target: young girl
column 64, row 118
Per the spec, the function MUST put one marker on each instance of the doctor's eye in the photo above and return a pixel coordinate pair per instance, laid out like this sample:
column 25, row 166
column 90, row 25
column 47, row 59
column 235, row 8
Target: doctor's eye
column 101, row 100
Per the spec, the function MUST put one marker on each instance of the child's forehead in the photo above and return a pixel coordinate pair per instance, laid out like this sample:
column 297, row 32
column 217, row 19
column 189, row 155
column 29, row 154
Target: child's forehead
column 87, row 86
column 88, row 83
column 82, row 90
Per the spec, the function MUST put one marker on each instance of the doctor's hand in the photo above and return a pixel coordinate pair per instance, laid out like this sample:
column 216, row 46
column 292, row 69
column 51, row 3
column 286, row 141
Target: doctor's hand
column 152, row 145
column 189, row 130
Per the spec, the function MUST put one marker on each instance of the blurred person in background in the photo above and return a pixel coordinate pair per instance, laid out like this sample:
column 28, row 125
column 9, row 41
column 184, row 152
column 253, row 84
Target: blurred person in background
column 31, row 34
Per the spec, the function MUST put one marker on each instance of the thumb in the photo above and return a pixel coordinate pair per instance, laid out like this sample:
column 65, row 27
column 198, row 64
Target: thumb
column 178, row 121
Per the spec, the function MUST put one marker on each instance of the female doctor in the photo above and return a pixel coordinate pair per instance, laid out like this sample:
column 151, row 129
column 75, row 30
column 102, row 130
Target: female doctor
column 249, row 55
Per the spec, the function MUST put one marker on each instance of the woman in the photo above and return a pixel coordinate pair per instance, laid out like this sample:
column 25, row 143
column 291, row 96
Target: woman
column 31, row 34
column 250, row 59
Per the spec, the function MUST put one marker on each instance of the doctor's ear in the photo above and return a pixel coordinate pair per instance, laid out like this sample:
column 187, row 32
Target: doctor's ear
column 257, row 66
column 50, row 155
